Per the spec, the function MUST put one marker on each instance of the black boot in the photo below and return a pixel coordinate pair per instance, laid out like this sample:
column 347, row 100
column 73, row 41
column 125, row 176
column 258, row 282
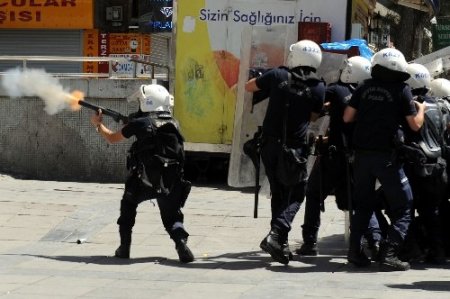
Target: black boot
column 308, row 249
column 389, row 260
column 123, row 251
column 358, row 257
column 287, row 251
column 272, row 246
column 184, row 253
column 436, row 256
column 374, row 248
column 411, row 253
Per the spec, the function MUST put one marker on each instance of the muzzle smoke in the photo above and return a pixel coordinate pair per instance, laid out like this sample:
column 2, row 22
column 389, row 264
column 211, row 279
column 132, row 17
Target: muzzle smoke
column 36, row 82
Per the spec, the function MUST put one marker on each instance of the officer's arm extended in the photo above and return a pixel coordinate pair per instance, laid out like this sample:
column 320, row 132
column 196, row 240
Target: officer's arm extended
column 250, row 86
column 110, row 136
column 415, row 122
column 349, row 114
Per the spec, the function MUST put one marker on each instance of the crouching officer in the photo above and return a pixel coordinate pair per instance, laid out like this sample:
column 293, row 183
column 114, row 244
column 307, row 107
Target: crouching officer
column 329, row 173
column 298, row 87
column 158, row 144
column 379, row 106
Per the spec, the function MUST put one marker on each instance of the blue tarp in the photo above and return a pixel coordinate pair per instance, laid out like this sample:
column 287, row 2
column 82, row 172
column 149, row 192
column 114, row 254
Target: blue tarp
column 364, row 50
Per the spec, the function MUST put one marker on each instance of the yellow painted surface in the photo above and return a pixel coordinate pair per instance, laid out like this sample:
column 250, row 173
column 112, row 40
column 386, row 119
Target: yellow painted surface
column 204, row 102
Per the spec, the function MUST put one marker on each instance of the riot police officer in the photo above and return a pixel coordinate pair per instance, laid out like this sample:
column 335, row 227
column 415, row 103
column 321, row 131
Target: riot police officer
column 330, row 171
column 425, row 167
column 154, row 110
column 299, row 87
column 380, row 106
column 440, row 90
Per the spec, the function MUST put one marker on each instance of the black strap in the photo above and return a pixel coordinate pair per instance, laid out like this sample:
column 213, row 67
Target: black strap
column 434, row 131
column 285, row 112
column 287, row 87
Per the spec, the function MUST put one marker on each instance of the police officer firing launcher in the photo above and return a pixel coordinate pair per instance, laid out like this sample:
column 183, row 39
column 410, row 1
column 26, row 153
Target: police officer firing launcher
column 155, row 165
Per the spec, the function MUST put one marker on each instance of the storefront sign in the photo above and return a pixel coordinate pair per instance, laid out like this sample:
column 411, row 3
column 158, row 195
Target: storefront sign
column 47, row 14
column 124, row 45
column 155, row 15
column 441, row 33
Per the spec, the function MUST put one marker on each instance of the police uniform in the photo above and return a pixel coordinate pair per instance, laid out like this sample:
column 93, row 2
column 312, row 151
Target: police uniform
column 381, row 108
column 329, row 173
column 429, row 183
column 286, row 201
column 136, row 192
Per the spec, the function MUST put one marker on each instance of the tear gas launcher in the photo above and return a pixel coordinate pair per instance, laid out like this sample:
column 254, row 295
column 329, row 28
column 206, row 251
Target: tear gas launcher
column 106, row 111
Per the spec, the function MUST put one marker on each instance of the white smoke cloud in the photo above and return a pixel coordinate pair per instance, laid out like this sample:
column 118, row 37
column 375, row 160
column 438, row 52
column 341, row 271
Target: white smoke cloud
column 36, row 82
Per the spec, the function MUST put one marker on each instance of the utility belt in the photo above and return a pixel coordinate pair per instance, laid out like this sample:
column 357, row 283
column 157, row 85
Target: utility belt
column 292, row 143
column 374, row 151
column 330, row 150
column 133, row 159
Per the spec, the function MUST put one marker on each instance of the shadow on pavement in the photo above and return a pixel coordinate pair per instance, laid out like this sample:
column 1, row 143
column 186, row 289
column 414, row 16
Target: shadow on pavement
column 437, row 286
column 331, row 258
column 98, row 259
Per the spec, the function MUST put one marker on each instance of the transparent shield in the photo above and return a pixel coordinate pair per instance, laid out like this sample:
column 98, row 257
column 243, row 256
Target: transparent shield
column 331, row 66
column 329, row 71
column 262, row 48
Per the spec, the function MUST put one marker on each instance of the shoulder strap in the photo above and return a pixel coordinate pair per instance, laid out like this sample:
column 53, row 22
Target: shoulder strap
column 300, row 89
column 438, row 133
column 432, row 135
column 286, row 110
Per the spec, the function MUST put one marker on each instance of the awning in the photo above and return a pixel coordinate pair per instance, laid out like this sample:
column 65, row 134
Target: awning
column 430, row 6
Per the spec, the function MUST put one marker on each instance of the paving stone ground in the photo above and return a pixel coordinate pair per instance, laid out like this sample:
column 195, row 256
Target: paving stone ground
column 41, row 221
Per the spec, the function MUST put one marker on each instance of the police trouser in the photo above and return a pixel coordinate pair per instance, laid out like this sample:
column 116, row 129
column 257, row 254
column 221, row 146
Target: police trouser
column 285, row 201
column 428, row 193
column 169, row 207
column 327, row 175
column 368, row 167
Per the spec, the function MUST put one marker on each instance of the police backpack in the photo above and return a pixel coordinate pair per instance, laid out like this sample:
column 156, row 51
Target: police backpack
column 160, row 155
column 431, row 142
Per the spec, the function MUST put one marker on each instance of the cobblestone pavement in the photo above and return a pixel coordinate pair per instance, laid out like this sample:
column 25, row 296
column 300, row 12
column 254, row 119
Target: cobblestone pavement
column 41, row 222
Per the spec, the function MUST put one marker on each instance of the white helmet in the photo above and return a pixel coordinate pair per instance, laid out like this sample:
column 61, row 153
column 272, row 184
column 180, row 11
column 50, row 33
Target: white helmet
column 304, row 53
column 391, row 59
column 440, row 87
column 356, row 70
column 420, row 76
column 153, row 97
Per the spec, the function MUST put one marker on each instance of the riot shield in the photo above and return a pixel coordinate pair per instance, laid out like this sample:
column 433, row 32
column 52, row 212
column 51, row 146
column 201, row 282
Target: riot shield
column 330, row 71
column 262, row 48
